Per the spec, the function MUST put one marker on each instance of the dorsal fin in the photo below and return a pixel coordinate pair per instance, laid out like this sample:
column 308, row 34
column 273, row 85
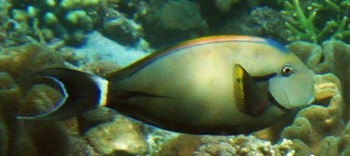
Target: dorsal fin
column 133, row 68
column 249, row 97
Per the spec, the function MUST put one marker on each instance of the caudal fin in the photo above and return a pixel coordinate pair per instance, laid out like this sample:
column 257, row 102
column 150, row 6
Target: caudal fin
column 81, row 92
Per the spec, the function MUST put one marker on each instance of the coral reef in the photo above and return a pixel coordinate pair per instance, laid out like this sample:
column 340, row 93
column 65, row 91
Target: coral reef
column 331, row 57
column 156, row 23
column 317, row 125
column 317, row 21
column 98, row 132
column 23, row 60
column 16, row 64
column 322, row 128
column 225, row 5
column 319, row 129
column 66, row 19
column 267, row 22
column 11, row 33
column 242, row 145
column 117, row 136
column 163, row 142
column 117, row 26
column 31, row 21
column 172, row 21
column 10, row 95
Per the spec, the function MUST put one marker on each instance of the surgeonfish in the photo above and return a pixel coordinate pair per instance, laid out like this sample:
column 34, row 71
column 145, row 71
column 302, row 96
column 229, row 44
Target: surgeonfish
column 212, row 85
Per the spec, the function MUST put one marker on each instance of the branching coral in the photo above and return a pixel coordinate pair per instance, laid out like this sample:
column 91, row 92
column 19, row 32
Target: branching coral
column 317, row 21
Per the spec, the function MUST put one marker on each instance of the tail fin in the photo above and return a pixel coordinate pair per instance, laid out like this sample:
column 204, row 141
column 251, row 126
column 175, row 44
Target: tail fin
column 81, row 92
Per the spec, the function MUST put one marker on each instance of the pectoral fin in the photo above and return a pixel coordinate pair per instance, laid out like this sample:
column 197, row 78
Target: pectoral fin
column 250, row 99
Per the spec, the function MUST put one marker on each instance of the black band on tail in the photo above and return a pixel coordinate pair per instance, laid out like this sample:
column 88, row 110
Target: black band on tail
column 81, row 92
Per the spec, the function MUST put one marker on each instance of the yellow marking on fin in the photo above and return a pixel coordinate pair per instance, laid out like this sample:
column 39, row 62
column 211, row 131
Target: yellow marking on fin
column 238, row 75
column 251, row 100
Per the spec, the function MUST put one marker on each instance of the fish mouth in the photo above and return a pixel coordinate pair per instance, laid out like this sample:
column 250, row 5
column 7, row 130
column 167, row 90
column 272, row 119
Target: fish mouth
column 311, row 100
column 274, row 102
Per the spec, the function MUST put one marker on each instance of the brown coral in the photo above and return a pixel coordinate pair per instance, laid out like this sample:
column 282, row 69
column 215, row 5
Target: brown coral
column 116, row 137
column 333, row 56
column 242, row 145
column 15, row 64
column 172, row 21
column 29, row 58
column 320, row 128
column 225, row 5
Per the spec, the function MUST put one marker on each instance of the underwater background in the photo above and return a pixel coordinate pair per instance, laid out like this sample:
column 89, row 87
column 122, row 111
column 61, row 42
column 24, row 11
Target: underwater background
column 100, row 36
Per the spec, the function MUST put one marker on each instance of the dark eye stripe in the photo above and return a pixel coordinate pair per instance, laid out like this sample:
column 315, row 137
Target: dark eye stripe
column 264, row 78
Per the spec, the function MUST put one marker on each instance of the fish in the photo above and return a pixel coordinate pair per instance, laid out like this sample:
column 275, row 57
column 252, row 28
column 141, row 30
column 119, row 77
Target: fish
column 215, row 85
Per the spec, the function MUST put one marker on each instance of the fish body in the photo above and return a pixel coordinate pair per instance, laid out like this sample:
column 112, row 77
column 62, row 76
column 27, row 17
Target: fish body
column 210, row 85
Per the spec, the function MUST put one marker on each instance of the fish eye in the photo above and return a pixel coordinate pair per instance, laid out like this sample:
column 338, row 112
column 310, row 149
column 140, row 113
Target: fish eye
column 287, row 70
